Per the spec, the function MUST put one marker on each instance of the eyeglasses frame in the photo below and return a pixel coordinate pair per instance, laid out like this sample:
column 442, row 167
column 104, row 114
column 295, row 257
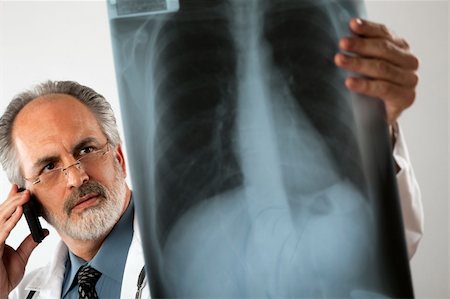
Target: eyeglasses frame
column 77, row 163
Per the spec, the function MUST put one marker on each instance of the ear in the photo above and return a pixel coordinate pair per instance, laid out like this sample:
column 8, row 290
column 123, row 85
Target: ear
column 118, row 154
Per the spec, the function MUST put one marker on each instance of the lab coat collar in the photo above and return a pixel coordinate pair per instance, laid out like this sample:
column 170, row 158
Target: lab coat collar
column 48, row 281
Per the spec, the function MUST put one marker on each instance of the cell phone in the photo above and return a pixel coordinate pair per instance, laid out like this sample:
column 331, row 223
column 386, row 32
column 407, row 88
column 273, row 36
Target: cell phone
column 32, row 211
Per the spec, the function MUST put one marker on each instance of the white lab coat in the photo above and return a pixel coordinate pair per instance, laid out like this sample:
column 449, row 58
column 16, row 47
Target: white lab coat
column 409, row 193
column 47, row 281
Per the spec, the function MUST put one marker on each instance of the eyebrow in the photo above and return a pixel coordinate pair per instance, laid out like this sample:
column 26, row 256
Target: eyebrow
column 36, row 168
column 83, row 143
column 41, row 162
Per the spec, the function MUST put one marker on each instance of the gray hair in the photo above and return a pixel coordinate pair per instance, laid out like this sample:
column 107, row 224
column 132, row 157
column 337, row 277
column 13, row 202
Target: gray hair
column 96, row 103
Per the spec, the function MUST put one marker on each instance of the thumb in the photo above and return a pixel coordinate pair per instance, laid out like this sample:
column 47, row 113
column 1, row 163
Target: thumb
column 27, row 246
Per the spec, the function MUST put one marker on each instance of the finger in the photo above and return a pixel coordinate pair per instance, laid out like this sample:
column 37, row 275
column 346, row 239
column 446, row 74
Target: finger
column 8, row 225
column 14, row 189
column 396, row 98
column 376, row 30
column 27, row 246
column 377, row 69
column 12, row 202
column 369, row 28
column 381, row 89
column 381, row 49
column 11, row 211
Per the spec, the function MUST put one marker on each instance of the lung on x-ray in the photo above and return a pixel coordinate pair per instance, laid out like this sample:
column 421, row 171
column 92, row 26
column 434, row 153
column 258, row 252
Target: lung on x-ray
column 255, row 172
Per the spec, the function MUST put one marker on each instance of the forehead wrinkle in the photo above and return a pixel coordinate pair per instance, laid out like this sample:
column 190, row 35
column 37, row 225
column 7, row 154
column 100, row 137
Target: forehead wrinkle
column 34, row 133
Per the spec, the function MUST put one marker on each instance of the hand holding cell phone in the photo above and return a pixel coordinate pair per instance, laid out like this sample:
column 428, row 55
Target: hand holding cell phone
column 13, row 261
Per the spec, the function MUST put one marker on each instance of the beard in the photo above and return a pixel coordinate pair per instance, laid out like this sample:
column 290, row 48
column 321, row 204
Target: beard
column 93, row 222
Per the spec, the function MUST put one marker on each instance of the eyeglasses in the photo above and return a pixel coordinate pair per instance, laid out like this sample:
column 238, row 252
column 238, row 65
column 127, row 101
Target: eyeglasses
column 89, row 158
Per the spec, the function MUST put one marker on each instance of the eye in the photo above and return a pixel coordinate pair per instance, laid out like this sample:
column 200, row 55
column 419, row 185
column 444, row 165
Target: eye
column 49, row 167
column 86, row 150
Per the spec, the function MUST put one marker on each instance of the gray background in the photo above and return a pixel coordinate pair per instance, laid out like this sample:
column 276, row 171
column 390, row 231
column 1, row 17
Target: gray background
column 70, row 40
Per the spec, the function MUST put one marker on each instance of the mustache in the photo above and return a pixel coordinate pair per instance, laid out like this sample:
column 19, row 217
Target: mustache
column 87, row 188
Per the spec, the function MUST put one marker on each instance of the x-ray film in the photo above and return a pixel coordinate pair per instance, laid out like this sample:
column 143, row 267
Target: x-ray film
column 255, row 172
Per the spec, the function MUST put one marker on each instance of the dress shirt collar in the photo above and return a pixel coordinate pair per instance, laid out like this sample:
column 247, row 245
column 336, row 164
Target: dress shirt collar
column 111, row 257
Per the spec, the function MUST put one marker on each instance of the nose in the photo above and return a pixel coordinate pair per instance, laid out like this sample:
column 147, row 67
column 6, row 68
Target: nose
column 77, row 176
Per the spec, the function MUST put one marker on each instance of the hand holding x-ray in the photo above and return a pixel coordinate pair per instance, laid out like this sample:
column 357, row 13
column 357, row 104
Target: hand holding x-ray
column 387, row 63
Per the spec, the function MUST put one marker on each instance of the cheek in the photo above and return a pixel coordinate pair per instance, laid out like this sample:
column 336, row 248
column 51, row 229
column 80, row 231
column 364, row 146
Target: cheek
column 107, row 175
column 52, row 207
column 52, row 200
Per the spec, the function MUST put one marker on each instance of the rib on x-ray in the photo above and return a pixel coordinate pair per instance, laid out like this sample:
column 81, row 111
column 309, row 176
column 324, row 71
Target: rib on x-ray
column 255, row 172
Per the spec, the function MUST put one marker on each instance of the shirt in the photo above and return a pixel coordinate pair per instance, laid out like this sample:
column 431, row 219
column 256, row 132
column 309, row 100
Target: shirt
column 109, row 260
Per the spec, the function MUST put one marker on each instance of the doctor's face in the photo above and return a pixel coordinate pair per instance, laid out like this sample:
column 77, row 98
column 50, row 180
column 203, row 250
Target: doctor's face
column 77, row 176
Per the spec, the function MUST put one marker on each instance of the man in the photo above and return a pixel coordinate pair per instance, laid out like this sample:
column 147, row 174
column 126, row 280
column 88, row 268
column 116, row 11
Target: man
column 60, row 142
column 71, row 150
